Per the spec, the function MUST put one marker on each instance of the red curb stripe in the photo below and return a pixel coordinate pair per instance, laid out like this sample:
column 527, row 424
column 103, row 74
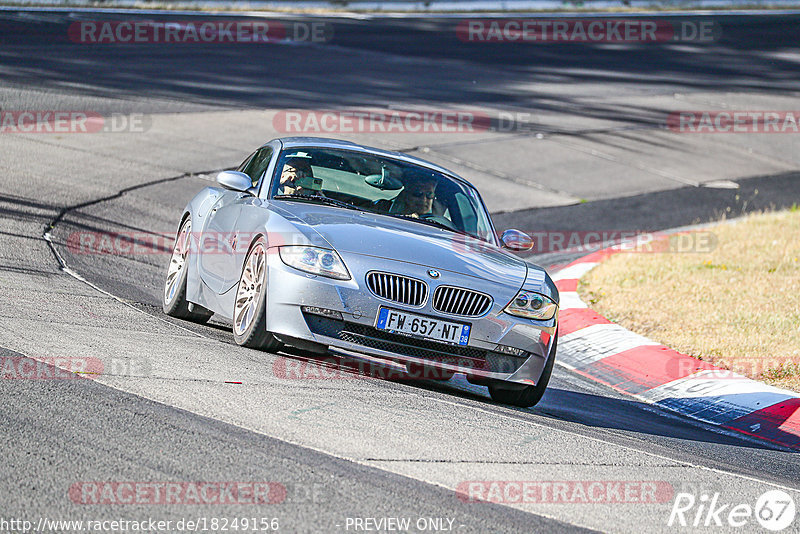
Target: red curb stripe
column 643, row 368
column 574, row 319
column 779, row 423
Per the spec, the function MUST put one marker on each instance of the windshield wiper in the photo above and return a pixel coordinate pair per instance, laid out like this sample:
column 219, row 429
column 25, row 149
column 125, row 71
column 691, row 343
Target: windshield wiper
column 318, row 199
column 434, row 222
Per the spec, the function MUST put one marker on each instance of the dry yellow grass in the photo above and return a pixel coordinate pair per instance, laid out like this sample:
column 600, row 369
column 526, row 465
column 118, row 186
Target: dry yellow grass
column 737, row 306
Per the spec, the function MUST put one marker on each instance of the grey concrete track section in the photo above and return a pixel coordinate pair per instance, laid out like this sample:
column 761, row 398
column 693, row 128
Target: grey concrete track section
column 181, row 402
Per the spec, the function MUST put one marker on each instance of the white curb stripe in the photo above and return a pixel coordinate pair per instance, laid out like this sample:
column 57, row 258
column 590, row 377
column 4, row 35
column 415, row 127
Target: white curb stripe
column 716, row 396
column 596, row 342
column 574, row 271
column 569, row 300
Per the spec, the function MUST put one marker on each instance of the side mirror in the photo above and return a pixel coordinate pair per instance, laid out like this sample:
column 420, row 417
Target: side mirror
column 237, row 181
column 516, row 240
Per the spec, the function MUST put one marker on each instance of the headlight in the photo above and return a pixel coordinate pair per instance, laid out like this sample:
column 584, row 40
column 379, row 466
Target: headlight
column 532, row 305
column 320, row 261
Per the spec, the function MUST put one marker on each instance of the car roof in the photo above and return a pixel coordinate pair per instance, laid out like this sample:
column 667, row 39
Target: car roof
column 324, row 142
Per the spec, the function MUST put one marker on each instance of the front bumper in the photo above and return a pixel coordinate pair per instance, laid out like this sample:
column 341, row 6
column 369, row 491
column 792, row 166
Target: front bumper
column 289, row 290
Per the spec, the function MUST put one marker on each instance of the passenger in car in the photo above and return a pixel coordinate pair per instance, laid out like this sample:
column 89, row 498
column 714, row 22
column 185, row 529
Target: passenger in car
column 416, row 198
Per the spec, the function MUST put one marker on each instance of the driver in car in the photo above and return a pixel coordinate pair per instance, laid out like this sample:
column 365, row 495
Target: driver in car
column 297, row 177
column 416, row 198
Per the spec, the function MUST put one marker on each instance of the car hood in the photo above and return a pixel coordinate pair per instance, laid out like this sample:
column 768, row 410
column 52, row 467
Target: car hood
column 369, row 234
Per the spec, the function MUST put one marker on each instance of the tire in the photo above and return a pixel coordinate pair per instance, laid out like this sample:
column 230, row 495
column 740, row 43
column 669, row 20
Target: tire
column 250, row 307
column 173, row 298
column 527, row 396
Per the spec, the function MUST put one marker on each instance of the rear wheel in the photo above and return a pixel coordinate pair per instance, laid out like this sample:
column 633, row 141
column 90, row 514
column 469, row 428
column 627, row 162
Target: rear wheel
column 250, row 309
column 526, row 396
column 173, row 299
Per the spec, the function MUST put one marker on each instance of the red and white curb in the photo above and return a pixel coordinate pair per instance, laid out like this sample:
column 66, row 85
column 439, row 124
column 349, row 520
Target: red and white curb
column 590, row 345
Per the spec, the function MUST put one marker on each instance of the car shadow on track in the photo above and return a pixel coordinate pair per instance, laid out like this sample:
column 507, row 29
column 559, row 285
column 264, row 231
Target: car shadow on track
column 597, row 411
column 632, row 416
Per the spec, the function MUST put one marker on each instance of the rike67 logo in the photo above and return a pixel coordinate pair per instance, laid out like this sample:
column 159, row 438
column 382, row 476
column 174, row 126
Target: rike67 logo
column 774, row 510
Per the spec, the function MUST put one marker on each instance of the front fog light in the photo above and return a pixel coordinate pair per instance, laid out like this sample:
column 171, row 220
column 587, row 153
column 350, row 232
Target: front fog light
column 314, row 310
column 532, row 306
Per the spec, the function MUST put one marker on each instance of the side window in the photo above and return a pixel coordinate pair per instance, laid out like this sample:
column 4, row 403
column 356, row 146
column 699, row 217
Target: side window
column 256, row 165
column 243, row 166
column 468, row 217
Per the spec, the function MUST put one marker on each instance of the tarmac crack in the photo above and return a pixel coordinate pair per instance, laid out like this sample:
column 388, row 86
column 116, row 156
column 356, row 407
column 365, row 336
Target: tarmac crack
column 63, row 212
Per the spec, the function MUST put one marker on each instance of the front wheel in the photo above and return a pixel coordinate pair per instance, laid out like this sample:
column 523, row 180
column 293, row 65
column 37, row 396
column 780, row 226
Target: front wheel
column 173, row 298
column 250, row 309
column 527, row 396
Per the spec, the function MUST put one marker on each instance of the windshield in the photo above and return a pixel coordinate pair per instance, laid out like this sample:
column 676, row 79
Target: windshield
column 381, row 185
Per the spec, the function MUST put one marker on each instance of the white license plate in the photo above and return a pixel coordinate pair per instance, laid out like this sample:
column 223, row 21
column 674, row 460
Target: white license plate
column 420, row 325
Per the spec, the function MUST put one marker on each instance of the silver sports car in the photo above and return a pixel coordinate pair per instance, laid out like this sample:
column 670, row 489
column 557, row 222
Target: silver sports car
column 330, row 246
